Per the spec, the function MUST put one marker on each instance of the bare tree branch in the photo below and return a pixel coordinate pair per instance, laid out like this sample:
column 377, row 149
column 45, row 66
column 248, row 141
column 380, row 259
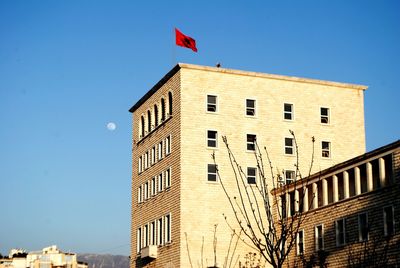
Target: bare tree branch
column 267, row 227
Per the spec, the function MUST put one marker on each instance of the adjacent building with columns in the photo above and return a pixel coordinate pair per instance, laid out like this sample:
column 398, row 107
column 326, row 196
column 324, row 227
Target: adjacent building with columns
column 177, row 199
column 353, row 212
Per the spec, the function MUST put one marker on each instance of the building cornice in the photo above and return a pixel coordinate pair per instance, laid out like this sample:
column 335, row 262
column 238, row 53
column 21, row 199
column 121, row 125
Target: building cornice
column 177, row 67
column 273, row 76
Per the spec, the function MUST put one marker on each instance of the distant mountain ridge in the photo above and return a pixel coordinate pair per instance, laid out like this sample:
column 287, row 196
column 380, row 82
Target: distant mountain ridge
column 104, row 260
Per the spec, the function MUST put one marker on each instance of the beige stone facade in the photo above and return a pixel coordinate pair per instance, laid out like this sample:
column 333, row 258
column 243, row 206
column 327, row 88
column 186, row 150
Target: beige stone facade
column 354, row 219
column 210, row 102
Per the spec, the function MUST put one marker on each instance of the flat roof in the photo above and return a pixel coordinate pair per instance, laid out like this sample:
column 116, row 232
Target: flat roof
column 177, row 67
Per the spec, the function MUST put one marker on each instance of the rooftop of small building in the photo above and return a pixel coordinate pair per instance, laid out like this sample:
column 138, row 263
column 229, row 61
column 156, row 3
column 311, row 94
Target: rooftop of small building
column 179, row 66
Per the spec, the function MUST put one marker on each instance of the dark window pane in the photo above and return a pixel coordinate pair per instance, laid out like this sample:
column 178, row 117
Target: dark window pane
column 211, row 143
column 288, row 146
column 389, row 220
column 283, row 202
column 325, row 149
column 211, row 138
column 363, row 227
column 212, row 134
column 251, row 180
column 212, row 99
column 324, row 115
column 212, row 172
column 251, row 171
column 211, row 103
column 288, row 142
column 250, row 103
column 250, row 112
column 251, row 175
column 300, row 243
column 250, row 107
column 288, row 110
column 250, row 142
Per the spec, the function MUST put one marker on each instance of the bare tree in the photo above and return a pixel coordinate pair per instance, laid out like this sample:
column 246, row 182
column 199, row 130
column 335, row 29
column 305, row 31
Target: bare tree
column 231, row 258
column 263, row 217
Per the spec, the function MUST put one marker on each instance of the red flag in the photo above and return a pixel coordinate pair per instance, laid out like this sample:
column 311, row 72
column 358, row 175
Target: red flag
column 184, row 40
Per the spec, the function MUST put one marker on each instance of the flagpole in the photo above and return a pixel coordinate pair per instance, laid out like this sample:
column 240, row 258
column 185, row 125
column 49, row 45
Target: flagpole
column 173, row 56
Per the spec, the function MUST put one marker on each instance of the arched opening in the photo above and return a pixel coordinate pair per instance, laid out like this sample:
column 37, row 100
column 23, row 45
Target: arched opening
column 155, row 115
column 162, row 110
column 142, row 126
column 148, row 121
column 170, row 103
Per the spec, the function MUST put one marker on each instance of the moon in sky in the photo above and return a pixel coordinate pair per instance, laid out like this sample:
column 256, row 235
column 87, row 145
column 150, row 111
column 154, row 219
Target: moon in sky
column 111, row 126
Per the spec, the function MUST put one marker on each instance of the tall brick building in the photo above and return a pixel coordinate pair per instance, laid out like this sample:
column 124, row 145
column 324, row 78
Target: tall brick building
column 178, row 124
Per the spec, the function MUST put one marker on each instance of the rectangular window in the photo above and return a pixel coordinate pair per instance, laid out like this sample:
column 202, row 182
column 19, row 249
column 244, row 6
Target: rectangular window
column 319, row 237
column 211, row 103
column 289, row 146
column 326, row 149
column 168, row 228
column 251, row 175
column 363, row 227
column 288, row 111
column 388, row 221
column 212, row 138
column 251, row 139
column 300, row 242
column 153, row 233
column 153, row 155
column 283, row 245
column 324, row 115
column 146, row 190
column 340, row 226
column 168, row 178
column 146, row 160
column 160, row 150
column 139, row 240
column 250, row 107
column 146, row 235
column 140, row 164
column 153, row 186
column 168, row 145
column 160, row 232
column 212, row 172
column 139, row 197
column 160, row 183
column 290, row 176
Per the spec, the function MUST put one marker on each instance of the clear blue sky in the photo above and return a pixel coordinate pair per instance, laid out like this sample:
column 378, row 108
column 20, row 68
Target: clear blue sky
column 67, row 68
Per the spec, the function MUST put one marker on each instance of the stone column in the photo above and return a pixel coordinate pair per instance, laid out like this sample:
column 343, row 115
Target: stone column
column 370, row 179
column 324, row 192
column 335, row 188
column 305, row 199
column 382, row 173
column 315, row 195
column 296, row 201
